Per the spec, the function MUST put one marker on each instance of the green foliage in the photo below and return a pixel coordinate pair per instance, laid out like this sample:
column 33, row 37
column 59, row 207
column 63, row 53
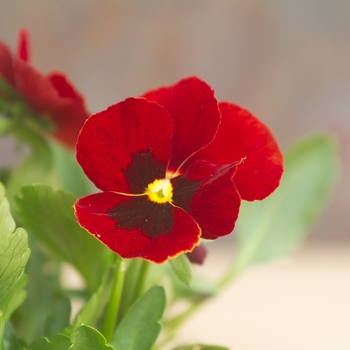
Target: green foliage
column 70, row 175
column 49, row 216
column 10, row 341
column 14, row 254
column 93, row 309
column 56, row 342
column 29, row 128
column 130, row 288
column 48, row 306
column 88, row 338
column 182, row 268
column 140, row 327
column 278, row 225
column 35, row 167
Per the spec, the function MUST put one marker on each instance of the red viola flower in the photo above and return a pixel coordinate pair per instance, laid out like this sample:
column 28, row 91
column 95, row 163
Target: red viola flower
column 173, row 166
column 53, row 95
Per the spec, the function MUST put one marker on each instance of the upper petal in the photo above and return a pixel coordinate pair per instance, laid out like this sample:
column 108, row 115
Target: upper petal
column 109, row 217
column 131, row 138
column 192, row 105
column 241, row 136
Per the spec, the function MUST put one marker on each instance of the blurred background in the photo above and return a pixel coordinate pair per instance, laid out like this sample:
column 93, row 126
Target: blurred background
column 286, row 61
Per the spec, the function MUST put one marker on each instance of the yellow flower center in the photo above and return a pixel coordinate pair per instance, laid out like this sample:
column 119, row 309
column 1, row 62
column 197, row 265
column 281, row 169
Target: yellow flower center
column 160, row 191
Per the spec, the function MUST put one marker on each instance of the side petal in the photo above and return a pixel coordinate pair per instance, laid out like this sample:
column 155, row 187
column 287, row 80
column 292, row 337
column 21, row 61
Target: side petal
column 129, row 238
column 207, row 193
column 128, row 140
column 70, row 116
column 192, row 105
column 6, row 64
column 242, row 136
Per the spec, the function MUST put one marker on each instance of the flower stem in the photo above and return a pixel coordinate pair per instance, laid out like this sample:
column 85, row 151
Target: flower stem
column 114, row 302
column 141, row 280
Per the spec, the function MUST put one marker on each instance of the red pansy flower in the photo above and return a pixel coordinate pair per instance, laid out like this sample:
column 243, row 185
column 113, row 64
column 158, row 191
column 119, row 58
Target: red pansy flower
column 53, row 95
column 173, row 166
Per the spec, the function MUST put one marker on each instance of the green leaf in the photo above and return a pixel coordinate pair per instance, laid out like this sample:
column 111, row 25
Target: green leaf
column 88, row 338
column 14, row 254
column 130, row 286
column 276, row 226
column 49, row 216
column 56, row 342
column 182, row 268
column 11, row 342
column 4, row 175
column 140, row 326
column 201, row 347
column 35, row 168
column 58, row 315
column 70, row 175
column 94, row 308
column 48, row 306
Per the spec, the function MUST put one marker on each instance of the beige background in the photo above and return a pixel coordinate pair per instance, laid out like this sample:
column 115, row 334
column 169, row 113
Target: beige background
column 286, row 61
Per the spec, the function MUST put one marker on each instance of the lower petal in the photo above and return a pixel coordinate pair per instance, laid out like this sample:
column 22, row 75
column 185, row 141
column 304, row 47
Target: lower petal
column 119, row 222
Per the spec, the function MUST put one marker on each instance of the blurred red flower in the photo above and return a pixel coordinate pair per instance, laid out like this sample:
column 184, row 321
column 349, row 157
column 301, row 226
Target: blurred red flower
column 53, row 96
column 173, row 166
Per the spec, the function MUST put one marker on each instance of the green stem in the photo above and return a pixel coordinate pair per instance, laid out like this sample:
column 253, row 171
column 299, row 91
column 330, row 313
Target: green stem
column 141, row 281
column 114, row 302
column 1, row 329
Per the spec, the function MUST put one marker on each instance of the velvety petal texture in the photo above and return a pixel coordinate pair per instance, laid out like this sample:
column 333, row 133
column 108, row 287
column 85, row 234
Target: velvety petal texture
column 118, row 148
column 193, row 107
column 133, row 240
column 207, row 193
column 173, row 166
column 53, row 96
column 244, row 138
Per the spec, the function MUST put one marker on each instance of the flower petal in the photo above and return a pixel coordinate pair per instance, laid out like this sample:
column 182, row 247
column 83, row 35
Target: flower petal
column 23, row 45
column 192, row 105
column 69, row 117
column 6, row 64
column 125, row 143
column 207, row 193
column 36, row 88
column 243, row 136
column 110, row 218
